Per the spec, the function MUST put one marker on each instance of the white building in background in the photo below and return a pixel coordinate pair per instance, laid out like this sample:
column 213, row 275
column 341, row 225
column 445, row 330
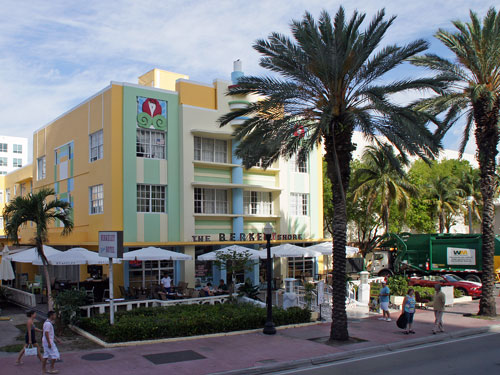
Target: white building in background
column 13, row 153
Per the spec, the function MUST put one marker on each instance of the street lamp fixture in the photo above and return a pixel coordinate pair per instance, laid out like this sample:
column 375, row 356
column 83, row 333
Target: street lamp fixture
column 470, row 199
column 269, row 326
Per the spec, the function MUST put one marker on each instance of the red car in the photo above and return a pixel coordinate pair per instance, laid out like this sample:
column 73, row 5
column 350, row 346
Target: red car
column 468, row 288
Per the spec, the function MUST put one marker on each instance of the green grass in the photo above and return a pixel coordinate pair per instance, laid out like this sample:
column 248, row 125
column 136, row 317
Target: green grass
column 14, row 348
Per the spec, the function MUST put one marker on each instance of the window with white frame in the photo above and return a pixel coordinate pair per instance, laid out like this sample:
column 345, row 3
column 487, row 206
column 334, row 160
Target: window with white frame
column 298, row 166
column 17, row 163
column 257, row 203
column 17, row 149
column 96, row 148
column 4, row 147
column 299, row 204
column 210, row 201
column 209, row 149
column 1, row 196
column 40, row 168
column 3, row 173
column 151, row 198
column 1, row 222
column 150, row 144
column 3, row 162
column 7, row 195
column 96, row 199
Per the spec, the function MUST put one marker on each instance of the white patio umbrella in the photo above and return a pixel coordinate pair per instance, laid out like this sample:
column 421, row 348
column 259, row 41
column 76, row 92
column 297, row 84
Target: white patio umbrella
column 154, row 253
column 31, row 255
column 325, row 248
column 6, row 270
column 291, row 251
column 76, row 256
column 253, row 254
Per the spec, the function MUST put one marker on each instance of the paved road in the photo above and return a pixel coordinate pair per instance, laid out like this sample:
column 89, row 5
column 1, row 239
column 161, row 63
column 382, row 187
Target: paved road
column 478, row 355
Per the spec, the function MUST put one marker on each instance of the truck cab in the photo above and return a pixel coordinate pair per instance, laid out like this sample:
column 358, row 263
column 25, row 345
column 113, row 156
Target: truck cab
column 378, row 263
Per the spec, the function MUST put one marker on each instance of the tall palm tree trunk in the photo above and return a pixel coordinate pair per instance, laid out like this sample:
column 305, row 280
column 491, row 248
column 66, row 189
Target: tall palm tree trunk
column 39, row 247
column 487, row 137
column 385, row 219
column 338, row 157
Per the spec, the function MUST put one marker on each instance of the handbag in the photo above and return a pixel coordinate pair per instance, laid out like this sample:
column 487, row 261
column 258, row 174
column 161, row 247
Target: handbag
column 401, row 322
column 30, row 350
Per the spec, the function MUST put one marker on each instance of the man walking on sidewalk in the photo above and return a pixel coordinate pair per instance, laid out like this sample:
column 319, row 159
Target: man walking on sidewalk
column 438, row 305
column 384, row 302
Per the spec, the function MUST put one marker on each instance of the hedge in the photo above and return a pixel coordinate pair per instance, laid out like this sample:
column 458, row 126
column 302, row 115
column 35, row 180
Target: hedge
column 187, row 320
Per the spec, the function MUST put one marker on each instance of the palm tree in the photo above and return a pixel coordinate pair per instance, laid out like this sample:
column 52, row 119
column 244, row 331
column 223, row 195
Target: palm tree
column 382, row 179
column 35, row 208
column 470, row 192
column 475, row 94
column 443, row 197
column 327, row 84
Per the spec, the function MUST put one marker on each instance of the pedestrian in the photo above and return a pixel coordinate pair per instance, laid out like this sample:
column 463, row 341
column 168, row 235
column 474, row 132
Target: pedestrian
column 409, row 309
column 384, row 302
column 50, row 351
column 30, row 337
column 438, row 303
column 166, row 281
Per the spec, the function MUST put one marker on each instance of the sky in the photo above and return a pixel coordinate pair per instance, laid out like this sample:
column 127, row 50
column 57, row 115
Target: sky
column 55, row 54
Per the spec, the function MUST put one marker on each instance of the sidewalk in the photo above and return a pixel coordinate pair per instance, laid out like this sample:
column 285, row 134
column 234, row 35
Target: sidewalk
column 255, row 350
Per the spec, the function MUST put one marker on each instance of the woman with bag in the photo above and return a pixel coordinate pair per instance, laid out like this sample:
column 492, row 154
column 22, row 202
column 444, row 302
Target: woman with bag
column 31, row 346
column 409, row 310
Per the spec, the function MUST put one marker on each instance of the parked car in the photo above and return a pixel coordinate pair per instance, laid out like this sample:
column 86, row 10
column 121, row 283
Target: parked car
column 468, row 288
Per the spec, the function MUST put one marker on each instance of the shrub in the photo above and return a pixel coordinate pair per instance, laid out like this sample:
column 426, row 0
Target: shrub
column 67, row 305
column 187, row 320
column 398, row 285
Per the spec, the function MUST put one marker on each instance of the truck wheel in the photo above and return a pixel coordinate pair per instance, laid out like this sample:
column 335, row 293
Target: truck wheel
column 464, row 291
column 473, row 278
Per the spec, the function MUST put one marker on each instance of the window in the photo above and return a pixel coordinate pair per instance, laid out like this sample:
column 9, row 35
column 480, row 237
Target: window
column 299, row 204
column 3, row 162
column 96, row 199
column 300, row 267
column 210, row 201
column 298, row 166
column 208, row 149
column 151, row 271
column 3, row 147
column 1, row 222
column 151, row 198
column 64, row 153
column 3, row 173
column 96, row 148
column 257, row 203
column 17, row 149
column 17, row 162
column 40, row 164
column 7, row 195
column 150, row 144
column 1, row 196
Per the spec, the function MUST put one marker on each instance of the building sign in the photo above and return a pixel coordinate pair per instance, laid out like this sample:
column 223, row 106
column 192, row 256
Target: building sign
column 247, row 237
column 461, row 257
column 111, row 244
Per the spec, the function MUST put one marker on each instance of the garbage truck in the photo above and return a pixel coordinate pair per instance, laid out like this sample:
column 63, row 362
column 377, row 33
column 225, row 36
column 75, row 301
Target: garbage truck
column 429, row 254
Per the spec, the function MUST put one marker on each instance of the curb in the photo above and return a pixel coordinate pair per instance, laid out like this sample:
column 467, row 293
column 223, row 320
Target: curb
column 105, row 344
column 330, row 358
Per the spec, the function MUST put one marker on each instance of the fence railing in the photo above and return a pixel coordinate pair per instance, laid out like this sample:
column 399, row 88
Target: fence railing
column 101, row 308
column 21, row 297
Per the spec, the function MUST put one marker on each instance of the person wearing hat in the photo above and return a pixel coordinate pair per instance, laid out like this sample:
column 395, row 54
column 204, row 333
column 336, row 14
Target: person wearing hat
column 384, row 302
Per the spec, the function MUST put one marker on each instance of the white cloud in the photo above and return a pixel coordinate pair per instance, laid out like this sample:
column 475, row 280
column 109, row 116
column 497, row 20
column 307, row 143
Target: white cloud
column 57, row 53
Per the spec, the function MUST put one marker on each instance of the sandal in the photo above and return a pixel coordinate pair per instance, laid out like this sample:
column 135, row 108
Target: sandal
column 406, row 332
column 53, row 371
column 412, row 331
column 18, row 363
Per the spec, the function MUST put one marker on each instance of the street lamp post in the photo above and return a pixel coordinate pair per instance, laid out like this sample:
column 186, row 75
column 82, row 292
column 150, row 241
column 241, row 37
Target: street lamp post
column 470, row 199
column 269, row 326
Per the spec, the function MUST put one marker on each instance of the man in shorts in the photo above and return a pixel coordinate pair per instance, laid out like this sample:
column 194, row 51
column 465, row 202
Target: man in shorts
column 50, row 351
column 384, row 302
